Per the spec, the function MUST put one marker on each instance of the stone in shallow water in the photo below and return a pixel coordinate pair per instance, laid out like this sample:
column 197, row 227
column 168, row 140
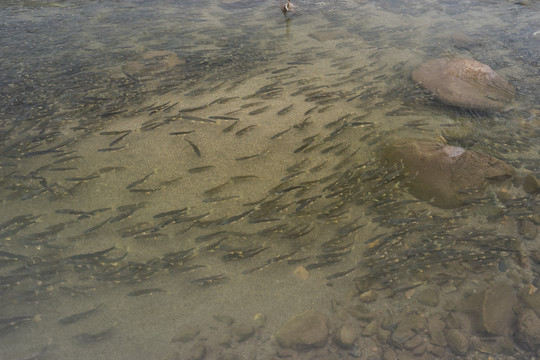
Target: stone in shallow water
column 497, row 309
column 303, row 331
column 447, row 176
column 465, row 83
column 528, row 334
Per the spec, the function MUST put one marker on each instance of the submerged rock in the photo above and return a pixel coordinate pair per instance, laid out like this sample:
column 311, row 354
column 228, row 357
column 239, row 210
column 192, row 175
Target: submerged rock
column 303, row 331
column 497, row 309
column 447, row 176
column 528, row 334
column 465, row 83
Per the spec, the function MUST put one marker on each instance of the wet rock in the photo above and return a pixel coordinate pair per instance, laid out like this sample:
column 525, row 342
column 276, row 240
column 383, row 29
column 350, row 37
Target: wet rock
column 154, row 62
column 197, row 352
column 494, row 345
column 528, row 334
column 428, row 297
column 527, row 229
column 436, row 328
column 242, row 332
column 303, row 331
column 370, row 329
column 497, row 309
column 368, row 296
column 531, row 184
column 186, row 335
column 460, row 40
column 447, row 176
column 533, row 301
column 346, row 336
column 465, row 83
column 259, row 320
column 407, row 328
column 457, row 342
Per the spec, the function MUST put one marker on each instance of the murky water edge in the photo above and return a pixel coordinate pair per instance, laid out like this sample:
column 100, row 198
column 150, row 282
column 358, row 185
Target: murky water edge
column 169, row 168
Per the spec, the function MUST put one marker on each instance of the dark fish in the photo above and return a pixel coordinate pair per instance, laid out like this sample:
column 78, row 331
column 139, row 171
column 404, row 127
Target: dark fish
column 140, row 181
column 171, row 213
column 280, row 134
column 145, row 191
column 91, row 338
column 285, row 110
column 340, row 274
column 260, row 110
column 145, row 292
column 243, row 254
column 201, row 169
column 207, row 237
column 246, row 129
column 221, row 117
column 117, row 140
column 111, row 149
column 182, row 132
column 85, row 178
column 195, row 147
column 215, row 189
column 231, row 127
column 236, row 217
column 196, row 118
column 210, row 280
column 79, row 316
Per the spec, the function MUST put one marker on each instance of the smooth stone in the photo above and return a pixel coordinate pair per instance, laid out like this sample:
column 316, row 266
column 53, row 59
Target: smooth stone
column 407, row 328
column 370, row 329
column 242, row 332
column 528, row 334
column 186, row 335
column 197, row 352
column 368, row 296
column 303, row 331
column 346, row 336
column 447, row 176
column 497, row 309
column 428, row 297
column 259, row 320
column 531, row 184
column 457, row 342
column 465, row 83
column 532, row 301
column 528, row 229
column 460, row 40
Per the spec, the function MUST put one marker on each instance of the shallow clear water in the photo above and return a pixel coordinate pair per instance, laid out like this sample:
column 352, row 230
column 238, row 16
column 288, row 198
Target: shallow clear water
column 167, row 166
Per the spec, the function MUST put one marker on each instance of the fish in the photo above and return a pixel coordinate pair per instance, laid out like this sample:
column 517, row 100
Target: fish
column 195, row 147
column 140, row 181
column 145, row 292
column 246, row 129
column 285, row 110
column 260, row 110
column 79, row 316
column 210, row 280
column 91, row 338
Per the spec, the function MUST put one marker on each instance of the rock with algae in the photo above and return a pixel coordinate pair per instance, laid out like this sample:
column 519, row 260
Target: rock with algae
column 465, row 83
column 447, row 176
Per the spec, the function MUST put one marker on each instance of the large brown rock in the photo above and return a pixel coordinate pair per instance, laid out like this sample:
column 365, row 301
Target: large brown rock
column 303, row 331
column 465, row 83
column 447, row 176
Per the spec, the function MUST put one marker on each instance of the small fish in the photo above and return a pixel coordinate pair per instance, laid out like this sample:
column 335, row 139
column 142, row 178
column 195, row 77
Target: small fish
column 246, row 129
column 182, row 132
column 285, row 110
column 140, row 181
column 195, row 147
column 260, row 110
column 145, row 292
column 79, row 316
column 210, row 280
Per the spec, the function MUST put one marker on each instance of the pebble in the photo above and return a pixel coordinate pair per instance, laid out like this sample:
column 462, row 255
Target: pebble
column 528, row 229
column 186, row 335
column 242, row 332
column 197, row 352
column 407, row 328
column 429, row 297
column 370, row 329
column 531, row 184
column 346, row 336
column 368, row 296
column 528, row 334
column 259, row 320
column 497, row 309
column 457, row 342
column 303, row 331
